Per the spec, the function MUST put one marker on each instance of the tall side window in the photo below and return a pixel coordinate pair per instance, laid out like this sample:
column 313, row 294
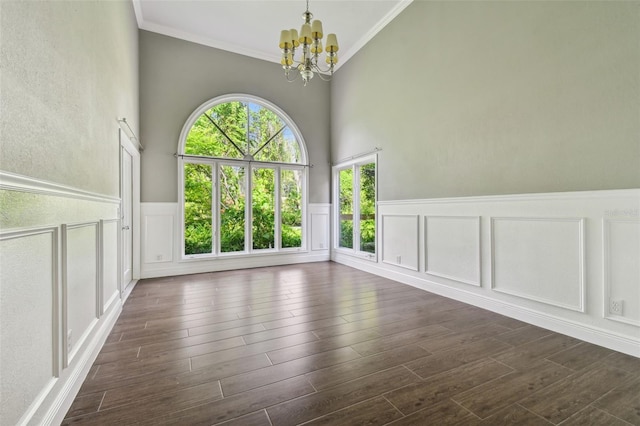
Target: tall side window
column 242, row 171
column 355, row 197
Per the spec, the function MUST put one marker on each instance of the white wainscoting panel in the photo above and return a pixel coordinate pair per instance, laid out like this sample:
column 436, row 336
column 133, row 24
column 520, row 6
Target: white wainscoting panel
column 621, row 257
column 541, row 259
column 400, row 240
column 109, row 230
column 58, row 260
column 555, row 260
column 452, row 248
column 29, row 326
column 161, row 244
column 158, row 232
column 80, row 284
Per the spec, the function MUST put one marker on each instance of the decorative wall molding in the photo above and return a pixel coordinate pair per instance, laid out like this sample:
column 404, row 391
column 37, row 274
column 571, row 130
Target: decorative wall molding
column 620, row 264
column 542, row 196
column 15, row 182
column 531, row 259
column 543, row 254
column 319, row 226
column 54, row 302
column 454, row 249
column 398, row 245
column 69, row 351
column 109, row 263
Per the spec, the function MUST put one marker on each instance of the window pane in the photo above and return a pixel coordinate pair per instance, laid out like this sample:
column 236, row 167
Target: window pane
column 232, row 208
column 263, row 200
column 346, row 208
column 197, row 209
column 206, row 139
column 368, row 208
column 291, row 206
column 284, row 148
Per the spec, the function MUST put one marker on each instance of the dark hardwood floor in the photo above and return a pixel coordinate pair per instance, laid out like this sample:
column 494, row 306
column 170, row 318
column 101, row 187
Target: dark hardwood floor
column 324, row 344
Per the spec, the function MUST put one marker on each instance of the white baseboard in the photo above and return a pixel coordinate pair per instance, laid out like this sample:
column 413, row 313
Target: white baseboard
column 217, row 265
column 67, row 393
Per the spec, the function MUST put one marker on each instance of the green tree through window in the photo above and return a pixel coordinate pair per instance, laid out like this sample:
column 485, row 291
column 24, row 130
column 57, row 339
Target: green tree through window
column 243, row 180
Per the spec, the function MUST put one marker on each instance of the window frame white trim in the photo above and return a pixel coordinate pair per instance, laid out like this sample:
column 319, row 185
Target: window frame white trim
column 354, row 164
column 249, row 166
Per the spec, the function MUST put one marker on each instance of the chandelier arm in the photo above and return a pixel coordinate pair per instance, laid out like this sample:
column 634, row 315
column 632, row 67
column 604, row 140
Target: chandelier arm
column 291, row 80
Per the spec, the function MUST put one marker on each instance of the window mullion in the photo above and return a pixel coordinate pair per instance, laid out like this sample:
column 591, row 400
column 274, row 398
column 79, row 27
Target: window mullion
column 277, row 210
column 248, row 209
column 214, row 207
column 356, row 208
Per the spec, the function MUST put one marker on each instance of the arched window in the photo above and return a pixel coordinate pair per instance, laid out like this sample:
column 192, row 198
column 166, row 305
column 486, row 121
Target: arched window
column 242, row 171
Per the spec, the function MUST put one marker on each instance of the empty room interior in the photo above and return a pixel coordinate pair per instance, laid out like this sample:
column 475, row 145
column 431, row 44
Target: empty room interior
column 319, row 212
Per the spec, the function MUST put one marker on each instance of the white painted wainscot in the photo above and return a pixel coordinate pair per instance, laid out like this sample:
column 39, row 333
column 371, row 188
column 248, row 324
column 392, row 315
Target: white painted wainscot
column 569, row 262
column 59, row 293
column 162, row 250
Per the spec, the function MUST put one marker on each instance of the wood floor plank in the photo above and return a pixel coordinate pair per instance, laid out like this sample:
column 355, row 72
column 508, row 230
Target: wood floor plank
column 153, row 408
column 496, row 395
column 435, row 389
column 155, row 386
column 444, row 413
column 374, row 412
column 317, row 346
column 237, row 405
column 456, row 357
column 85, row 404
column 327, row 377
column 517, row 416
column 259, row 418
column 260, row 336
column 324, row 402
column 525, row 356
column 201, row 361
column 386, row 343
column 286, row 370
column 580, row 356
column 523, row 335
column 567, row 397
column 593, row 416
column 623, row 402
column 451, row 340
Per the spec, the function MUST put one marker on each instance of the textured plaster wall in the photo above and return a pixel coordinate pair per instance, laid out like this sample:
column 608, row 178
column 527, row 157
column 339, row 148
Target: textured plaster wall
column 476, row 98
column 177, row 76
column 68, row 70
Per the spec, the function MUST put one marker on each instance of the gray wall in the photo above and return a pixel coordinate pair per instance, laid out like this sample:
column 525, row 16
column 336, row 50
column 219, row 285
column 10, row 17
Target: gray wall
column 475, row 98
column 69, row 70
column 177, row 76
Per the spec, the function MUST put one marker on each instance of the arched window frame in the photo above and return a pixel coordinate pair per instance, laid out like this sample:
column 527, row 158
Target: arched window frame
column 250, row 165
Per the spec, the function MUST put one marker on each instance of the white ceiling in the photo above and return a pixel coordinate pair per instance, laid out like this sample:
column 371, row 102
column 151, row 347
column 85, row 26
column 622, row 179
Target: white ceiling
column 252, row 27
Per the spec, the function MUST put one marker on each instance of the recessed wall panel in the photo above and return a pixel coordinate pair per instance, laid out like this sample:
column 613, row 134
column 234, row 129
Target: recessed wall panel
column 400, row 244
column 28, row 297
column 158, row 238
column 319, row 231
column 452, row 248
column 622, row 269
column 110, row 269
column 80, row 280
column 541, row 259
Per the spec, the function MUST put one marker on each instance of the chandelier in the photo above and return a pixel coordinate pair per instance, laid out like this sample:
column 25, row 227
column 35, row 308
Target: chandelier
column 310, row 39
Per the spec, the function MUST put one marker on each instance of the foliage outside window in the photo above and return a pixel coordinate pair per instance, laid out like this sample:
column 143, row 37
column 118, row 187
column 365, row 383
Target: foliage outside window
column 243, row 181
column 356, row 206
